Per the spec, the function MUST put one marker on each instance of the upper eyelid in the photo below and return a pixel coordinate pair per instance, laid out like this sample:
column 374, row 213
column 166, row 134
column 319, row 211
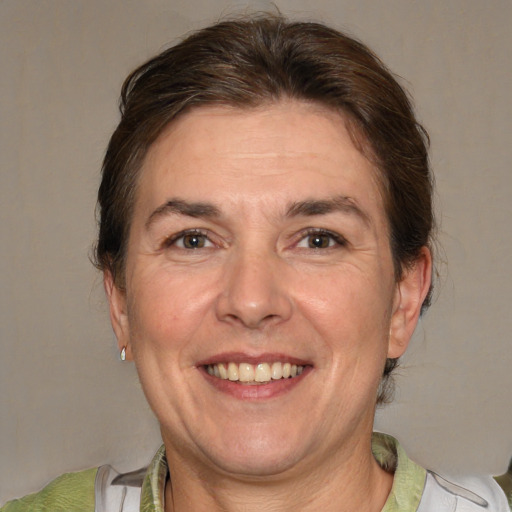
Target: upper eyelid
column 297, row 236
column 322, row 231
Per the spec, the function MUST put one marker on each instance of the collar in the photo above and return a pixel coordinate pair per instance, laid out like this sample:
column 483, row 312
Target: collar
column 153, row 487
column 405, row 495
column 409, row 478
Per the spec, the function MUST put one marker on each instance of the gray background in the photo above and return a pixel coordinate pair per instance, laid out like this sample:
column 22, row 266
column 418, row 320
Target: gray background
column 66, row 401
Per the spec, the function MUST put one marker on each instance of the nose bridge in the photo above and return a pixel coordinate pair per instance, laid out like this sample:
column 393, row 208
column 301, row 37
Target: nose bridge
column 253, row 292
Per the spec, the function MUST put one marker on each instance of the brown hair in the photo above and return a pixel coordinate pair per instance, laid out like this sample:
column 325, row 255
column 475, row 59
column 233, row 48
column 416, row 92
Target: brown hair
column 259, row 59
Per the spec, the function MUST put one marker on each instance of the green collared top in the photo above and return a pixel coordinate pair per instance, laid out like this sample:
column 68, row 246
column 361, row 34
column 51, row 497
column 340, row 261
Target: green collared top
column 405, row 496
column 75, row 491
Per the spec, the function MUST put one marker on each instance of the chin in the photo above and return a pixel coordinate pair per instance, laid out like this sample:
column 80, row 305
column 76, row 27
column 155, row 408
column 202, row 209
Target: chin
column 254, row 463
column 256, row 451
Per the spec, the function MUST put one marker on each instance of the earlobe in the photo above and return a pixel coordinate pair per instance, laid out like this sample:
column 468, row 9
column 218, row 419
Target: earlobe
column 409, row 296
column 118, row 313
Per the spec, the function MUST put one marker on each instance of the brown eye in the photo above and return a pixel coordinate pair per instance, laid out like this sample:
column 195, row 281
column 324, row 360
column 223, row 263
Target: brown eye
column 319, row 241
column 187, row 241
column 194, row 241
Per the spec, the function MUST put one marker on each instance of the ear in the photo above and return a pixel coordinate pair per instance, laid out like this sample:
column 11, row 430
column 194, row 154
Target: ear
column 409, row 296
column 118, row 313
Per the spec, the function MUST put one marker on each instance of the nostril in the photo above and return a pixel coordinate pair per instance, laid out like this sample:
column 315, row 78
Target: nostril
column 253, row 321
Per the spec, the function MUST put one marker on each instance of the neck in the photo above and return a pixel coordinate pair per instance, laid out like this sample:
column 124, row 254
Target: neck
column 343, row 482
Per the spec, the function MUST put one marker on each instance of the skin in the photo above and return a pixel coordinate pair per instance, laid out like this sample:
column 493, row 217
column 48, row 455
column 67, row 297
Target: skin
column 258, row 288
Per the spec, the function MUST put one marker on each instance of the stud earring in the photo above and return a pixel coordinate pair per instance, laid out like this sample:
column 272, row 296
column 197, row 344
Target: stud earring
column 122, row 355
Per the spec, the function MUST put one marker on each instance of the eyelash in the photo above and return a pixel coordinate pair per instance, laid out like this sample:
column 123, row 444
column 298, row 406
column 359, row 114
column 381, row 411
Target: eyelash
column 173, row 239
column 310, row 232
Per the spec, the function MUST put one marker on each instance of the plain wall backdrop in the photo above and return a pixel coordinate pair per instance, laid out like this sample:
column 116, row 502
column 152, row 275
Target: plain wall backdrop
column 66, row 401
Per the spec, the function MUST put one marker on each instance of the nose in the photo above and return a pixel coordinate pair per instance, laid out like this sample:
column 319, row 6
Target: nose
column 255, row 293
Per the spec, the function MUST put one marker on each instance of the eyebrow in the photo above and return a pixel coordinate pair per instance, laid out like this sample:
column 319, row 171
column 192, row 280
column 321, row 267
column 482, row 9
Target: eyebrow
column 181, row 207
column 311, row 207
column 307, row 208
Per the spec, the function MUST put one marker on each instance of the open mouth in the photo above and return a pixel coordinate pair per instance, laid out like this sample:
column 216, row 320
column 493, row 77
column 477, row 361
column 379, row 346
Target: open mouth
column 253, row 374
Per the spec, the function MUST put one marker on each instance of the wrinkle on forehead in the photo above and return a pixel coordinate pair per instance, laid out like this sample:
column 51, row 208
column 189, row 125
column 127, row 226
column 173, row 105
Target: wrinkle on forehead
column 258, row 146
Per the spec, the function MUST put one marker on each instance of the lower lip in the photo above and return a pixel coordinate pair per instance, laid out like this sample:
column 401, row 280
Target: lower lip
column 243, row 391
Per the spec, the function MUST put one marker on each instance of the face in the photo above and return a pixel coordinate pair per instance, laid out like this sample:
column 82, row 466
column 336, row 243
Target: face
column 259, row 249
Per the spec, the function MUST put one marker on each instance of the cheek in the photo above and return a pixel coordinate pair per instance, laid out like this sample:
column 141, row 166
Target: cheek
column 166, row 308
column 347, row 297
column 351, row 313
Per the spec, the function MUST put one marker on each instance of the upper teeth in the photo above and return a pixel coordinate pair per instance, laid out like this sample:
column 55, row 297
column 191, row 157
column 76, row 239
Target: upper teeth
column 262, row 372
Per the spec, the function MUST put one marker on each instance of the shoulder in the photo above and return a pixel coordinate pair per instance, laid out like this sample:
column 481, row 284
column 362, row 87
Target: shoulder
column 71, row 492
column 419, row 490
column 465, row 494
column 100, row 489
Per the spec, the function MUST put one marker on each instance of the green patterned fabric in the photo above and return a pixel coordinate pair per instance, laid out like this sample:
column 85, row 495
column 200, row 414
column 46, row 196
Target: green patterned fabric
column 74, row 492
column 405, row 496
column 71, row 492
column 409, row 478
column 152, row 497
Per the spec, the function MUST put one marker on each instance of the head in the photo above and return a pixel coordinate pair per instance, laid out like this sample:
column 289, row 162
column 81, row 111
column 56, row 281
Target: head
column 264, row 60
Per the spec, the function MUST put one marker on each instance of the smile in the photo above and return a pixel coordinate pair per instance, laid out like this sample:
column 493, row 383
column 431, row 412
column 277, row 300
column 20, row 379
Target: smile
column 260, row 373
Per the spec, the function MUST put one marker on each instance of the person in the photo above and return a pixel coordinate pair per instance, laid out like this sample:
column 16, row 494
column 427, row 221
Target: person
column 265, row 235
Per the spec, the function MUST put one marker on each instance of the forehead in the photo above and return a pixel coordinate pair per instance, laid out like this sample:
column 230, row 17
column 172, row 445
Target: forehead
column 269, row 154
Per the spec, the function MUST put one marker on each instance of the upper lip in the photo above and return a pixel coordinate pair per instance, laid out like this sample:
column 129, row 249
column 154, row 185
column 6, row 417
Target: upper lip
column 252, row 358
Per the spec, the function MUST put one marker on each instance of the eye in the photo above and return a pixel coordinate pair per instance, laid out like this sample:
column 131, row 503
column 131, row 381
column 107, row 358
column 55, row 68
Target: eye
column 189, row 240
column 319, row 239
